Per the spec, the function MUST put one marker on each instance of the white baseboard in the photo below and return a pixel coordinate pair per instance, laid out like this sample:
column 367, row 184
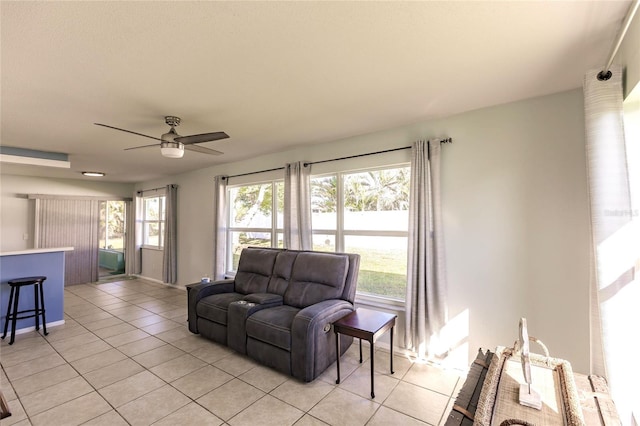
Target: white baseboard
column 32, row 328
column 154, row 280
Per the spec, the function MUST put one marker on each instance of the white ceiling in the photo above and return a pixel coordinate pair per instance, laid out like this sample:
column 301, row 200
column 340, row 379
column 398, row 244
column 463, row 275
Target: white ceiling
column 272, row 75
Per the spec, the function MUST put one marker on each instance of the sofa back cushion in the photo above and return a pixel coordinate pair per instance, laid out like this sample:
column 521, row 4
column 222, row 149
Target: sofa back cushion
column 316, row 277
column 282, row 272
column 349, row 293
column 254, row 270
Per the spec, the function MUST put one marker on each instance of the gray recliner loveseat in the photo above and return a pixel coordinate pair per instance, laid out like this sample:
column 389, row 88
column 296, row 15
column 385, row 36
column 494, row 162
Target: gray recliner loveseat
column 279, row 308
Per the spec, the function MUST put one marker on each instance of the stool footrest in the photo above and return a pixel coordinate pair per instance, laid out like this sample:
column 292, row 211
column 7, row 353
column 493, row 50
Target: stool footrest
column 19, row 317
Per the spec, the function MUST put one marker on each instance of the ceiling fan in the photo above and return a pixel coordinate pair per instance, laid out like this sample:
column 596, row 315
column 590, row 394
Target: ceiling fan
column 172, row 145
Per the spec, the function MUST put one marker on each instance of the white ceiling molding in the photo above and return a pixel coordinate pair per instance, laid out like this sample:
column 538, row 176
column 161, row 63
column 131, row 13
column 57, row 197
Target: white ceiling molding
column 34, row 161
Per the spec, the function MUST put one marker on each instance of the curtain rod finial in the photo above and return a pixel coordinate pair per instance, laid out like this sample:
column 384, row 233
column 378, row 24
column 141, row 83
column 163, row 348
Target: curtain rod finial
column 604, row 76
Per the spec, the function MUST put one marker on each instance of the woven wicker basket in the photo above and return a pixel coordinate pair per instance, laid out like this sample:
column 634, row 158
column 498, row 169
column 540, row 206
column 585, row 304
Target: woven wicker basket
column 552, row 378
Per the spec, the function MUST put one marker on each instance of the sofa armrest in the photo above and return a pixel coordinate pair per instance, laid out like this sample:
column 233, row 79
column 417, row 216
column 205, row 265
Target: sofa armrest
column 312, row 345
column 270, row 299
column 197, row 291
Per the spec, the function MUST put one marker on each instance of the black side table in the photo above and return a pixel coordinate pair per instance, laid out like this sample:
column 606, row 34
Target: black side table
column 365, row 324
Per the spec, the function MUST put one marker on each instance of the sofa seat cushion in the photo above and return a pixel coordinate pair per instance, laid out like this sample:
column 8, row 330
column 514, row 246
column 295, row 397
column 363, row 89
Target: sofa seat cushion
column 214, row 307
column 273, row 326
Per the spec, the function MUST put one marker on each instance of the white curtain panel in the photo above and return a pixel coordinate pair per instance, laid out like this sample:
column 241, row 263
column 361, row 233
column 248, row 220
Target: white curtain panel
column 170, row 251
column 614, row 291
column 426, row 309
column 220, row 223
column 297, row 207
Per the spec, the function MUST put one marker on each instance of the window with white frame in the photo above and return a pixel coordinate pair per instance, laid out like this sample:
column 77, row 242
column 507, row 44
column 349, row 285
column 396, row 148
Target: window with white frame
column 366, row 212
column 255, row 218
column 153, row 221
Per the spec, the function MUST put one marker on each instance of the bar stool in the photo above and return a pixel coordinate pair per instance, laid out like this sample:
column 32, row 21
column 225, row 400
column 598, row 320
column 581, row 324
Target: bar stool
column 14, row 297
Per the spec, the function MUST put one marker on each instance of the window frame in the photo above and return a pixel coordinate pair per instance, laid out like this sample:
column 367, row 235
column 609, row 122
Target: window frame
column 162, row 198
column 340, row 233
column 273, row 230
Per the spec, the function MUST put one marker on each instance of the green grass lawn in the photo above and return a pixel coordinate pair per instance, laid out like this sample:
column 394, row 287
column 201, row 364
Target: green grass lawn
column 382, row 283
column 383, row 272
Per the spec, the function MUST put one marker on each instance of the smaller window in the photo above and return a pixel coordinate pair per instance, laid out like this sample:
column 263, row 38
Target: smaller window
column 153, row 221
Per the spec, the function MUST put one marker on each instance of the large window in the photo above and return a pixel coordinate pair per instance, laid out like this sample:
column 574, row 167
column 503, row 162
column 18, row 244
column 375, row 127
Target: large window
column 366, row 212
column 153, row 222
column 255, row 218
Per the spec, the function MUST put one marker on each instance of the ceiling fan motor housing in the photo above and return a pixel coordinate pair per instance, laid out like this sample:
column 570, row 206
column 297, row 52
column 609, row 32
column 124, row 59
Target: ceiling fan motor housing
column 170, row 135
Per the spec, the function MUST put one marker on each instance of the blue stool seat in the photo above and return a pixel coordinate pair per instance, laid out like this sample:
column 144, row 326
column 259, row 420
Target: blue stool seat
column 12, row 308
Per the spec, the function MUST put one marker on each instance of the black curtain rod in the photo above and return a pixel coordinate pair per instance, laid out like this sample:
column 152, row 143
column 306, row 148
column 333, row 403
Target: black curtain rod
column 446, row 140
column 152, row 189
column 252, row 173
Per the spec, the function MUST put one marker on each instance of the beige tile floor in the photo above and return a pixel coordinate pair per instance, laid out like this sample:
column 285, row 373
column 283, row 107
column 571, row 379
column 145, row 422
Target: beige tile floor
column 125, row 356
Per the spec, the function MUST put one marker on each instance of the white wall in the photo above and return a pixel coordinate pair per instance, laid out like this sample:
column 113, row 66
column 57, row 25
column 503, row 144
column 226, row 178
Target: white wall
column 515, row 217
column 629, row 55
column 152, row 264
column 17, row 213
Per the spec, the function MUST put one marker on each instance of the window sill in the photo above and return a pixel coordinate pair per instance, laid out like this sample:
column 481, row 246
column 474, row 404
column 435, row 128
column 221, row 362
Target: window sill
column 379, row 302
column 153, row 248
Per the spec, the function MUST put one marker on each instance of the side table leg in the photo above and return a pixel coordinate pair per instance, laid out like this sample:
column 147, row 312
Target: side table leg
column 373, row 395
column 338, row 356
column 360, row 351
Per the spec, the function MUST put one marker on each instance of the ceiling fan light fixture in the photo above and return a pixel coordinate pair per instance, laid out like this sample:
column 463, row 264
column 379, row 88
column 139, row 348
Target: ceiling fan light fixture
column 172, row 149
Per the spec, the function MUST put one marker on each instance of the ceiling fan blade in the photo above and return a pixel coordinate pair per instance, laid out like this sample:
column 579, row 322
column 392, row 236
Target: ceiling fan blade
column 128, row 131
column 205, row 137
column 143, row 146
column 202, row 149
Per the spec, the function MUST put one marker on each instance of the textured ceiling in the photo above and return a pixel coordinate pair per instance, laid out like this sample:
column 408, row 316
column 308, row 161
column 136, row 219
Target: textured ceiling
column 272, row 75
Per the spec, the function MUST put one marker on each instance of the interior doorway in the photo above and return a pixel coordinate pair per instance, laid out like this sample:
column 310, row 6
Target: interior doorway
column 112, row 238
